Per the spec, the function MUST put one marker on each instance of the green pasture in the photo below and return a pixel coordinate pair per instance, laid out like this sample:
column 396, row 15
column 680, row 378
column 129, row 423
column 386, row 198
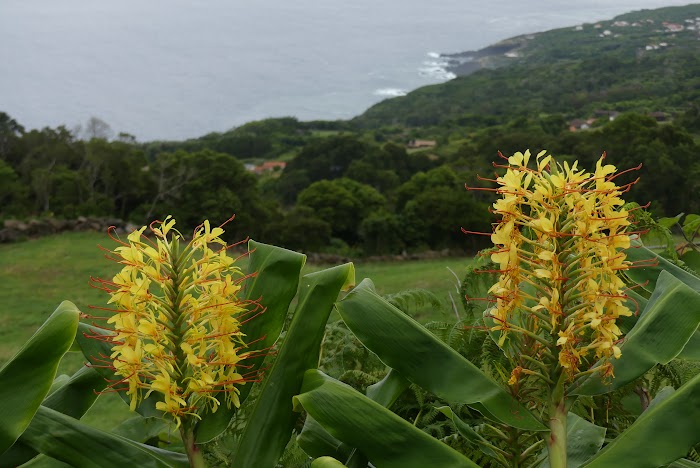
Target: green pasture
column 36, row 275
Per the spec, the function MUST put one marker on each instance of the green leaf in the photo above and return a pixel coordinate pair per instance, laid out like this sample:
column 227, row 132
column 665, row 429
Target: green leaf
column 316, row 441
column 654, row 264
column 383, row 437
column 68, row 440
column 663, row 330
column 386, row 391
column 662, row 434
column 326, row 462
column 692, row 259
column 691, row 224
column 275, row 283
column 403, row 344
column 691, row 351
column 583, row 440
column 78, row 394
column 271, row 420
column 27, row 378
column 42, row 461
column 668, row 223
column 140, row 429
column 465, row 430
column 684, row 463
column 73, row 398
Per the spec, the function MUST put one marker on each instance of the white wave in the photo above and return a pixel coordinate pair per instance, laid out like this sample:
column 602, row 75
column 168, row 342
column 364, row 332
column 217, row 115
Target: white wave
column 436, row 69
column 389, row 92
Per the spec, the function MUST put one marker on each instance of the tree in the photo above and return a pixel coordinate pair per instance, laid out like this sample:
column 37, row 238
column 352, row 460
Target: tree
column 97, row 128
column 343, row 203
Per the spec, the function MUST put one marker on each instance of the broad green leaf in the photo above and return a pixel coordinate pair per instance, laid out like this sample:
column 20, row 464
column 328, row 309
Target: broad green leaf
column 383, row 437
column 317, row 442
column 78, row 394
column 326, row 462
column 275, row 283
column 386, row 391
column 42, row 461
column 691, row 351
column 271, row 419
column 662, row 434
column 27, row 378
column 406, row 346
column 68, row 440
column 140, row 429
column 691, row 224
column 58, row 382
column 466, row 431
column 668, row 223
column 653, row 265
column 96, row 349
column 692, row 259
column 73, row 398
column 684, row 463
column 668, row 322
column 583, row 440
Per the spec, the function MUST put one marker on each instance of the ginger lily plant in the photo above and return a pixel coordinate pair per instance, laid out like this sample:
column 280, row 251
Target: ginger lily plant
column 177, row 323
column 191, row 333
column 559, row 293
column 562, row 296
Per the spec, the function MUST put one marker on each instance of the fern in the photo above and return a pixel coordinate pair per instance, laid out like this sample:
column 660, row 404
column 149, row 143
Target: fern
column 476, row 284
column 413, row 299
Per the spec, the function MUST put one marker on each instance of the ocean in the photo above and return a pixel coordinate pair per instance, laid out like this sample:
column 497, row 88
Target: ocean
column 176, row 69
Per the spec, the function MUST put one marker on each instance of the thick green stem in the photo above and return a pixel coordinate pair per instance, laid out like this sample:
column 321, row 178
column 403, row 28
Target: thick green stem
column 556, row 442
column 194, row 453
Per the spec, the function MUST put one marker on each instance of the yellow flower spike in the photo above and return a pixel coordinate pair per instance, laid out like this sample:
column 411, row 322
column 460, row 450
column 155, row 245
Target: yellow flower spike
column 177, row 329
column 560, row 238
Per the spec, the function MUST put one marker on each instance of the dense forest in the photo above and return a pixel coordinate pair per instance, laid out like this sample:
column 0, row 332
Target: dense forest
column 392, row 179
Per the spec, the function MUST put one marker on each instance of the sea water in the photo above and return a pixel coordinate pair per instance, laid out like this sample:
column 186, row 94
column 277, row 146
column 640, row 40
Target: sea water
column 173, row 69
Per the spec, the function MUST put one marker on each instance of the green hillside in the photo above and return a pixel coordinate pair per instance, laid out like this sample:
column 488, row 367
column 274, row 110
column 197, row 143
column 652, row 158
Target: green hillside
column 643, row 61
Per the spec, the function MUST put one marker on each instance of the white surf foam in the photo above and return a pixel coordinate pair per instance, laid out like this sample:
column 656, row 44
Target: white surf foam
column 389, row 92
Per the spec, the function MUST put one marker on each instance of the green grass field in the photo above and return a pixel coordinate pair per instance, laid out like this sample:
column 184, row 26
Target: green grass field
column 36, row 275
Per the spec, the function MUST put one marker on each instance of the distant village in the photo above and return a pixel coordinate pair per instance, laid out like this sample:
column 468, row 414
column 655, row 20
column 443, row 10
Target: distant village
column 690, row 24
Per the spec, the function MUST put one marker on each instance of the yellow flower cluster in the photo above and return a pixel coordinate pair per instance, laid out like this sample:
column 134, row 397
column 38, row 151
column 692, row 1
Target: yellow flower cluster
column 559, row 244
column 178, row 319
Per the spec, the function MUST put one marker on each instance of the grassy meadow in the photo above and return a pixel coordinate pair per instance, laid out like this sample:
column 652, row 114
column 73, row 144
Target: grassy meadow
column 36, row 275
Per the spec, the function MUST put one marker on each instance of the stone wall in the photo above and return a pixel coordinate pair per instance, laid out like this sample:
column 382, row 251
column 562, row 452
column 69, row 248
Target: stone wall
column 14, row 230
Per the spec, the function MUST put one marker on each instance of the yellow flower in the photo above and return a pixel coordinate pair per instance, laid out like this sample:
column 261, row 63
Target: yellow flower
column 559, row 247
column 177, row 325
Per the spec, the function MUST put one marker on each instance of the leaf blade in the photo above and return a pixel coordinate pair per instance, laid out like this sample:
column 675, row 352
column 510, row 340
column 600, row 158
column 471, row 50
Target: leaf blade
column 27, row 378
column 404, row 345
column 272, row 419
column 275, row 284
column 662, row 434
column 383, row 437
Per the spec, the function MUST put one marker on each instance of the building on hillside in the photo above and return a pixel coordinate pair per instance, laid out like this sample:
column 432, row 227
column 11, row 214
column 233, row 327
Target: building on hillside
column 421, row 144
column 268, row 166
column 673, row 27
column 659, row 116
column 609, row 114
column 580, row 124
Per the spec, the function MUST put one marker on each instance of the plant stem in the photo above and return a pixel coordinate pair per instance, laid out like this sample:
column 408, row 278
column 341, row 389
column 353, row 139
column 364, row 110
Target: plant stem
column 556, row 442
column 194, row 454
